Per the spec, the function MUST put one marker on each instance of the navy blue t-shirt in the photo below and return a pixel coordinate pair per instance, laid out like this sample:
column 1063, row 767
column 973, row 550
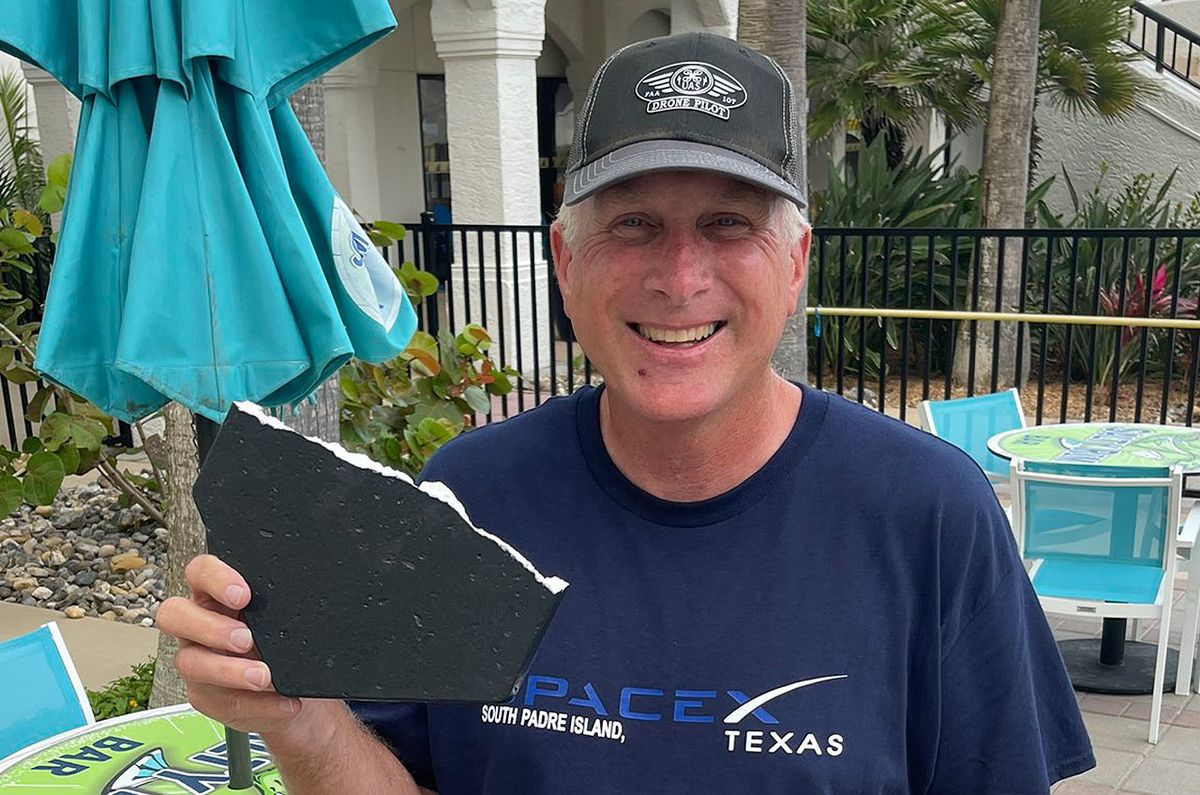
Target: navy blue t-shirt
column 852, row 618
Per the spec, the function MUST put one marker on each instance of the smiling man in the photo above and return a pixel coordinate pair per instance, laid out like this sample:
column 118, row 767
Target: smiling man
column 773, row 590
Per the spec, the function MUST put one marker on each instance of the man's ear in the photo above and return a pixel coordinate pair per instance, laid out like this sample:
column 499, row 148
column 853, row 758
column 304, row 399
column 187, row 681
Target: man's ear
column 799, row 259
column 562, row 257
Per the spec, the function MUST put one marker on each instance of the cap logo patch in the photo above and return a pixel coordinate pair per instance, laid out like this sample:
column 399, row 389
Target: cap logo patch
column 692, row 85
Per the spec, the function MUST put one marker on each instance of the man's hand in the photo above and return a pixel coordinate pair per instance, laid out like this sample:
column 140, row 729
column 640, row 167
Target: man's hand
column 226, row 678
column 317, row 744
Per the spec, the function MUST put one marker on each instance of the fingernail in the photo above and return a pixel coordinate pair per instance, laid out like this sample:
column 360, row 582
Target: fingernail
column 289, row 705
column 241, row 639
column 234, row 595
column 257, row 676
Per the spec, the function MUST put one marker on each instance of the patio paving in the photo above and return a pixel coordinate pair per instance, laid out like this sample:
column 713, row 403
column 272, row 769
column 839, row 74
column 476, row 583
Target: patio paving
column 1118, row 725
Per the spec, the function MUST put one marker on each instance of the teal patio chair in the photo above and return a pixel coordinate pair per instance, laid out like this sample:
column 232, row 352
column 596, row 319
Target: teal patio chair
column 968, row 423
column 1101, row 541
column 40, row 692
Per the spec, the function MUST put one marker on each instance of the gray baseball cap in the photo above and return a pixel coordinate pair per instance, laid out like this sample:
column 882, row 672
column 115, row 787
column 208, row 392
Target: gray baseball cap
column 690, row 102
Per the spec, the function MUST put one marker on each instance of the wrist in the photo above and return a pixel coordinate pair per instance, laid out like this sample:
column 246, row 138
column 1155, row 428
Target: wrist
column 311, row 730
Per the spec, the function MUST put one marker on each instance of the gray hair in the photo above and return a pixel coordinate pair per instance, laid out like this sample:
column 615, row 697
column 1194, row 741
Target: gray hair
column 788, row 218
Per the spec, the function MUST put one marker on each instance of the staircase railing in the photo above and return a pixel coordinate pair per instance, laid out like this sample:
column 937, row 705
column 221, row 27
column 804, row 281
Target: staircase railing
column 1172, row 46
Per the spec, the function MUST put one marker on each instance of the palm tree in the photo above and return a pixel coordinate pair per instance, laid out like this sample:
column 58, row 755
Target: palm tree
column 777, row 28
column 1083, row 66
column 1005, row 184
column 880, row 64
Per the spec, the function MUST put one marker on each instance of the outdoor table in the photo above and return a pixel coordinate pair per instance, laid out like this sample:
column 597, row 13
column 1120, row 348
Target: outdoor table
column 163, row 751
column 1109, row 664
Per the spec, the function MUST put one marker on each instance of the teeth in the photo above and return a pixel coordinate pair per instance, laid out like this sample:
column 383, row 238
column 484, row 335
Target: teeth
column 677, row 335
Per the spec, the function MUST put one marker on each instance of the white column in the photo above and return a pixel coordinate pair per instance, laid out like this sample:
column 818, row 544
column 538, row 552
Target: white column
column 57, row 113
column 711, row 16
column 490, row 49
column 351, row 154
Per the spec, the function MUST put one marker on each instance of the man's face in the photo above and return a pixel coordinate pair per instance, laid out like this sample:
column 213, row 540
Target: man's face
column 678, row 285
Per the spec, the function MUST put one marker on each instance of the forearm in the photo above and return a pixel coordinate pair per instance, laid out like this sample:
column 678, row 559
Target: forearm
column 331, row 753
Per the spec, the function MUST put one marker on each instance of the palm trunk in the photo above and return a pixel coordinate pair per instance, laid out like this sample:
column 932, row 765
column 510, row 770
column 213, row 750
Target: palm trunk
column 185, row 541
column 1005, row 188
column 778, row 28
column 318, row 418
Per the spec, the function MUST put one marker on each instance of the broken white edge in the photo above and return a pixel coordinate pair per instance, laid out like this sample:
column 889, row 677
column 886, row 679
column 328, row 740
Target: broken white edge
column 437, row 490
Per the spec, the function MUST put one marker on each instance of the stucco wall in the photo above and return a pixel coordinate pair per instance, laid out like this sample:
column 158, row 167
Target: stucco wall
column 1154, row 140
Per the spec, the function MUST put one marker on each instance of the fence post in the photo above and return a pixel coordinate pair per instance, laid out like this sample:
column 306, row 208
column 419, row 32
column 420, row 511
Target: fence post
column 1160, row 46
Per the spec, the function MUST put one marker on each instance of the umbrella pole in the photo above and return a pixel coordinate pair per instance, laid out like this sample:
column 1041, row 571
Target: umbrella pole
column 237, row 744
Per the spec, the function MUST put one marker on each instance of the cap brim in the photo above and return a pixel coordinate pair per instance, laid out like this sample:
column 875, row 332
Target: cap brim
column 647, row 157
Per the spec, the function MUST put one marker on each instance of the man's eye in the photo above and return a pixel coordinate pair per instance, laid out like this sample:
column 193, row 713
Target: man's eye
column 633, row 223
column 728, row 222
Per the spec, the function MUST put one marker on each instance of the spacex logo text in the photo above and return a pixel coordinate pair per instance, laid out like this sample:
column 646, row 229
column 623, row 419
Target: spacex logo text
column 740, row 713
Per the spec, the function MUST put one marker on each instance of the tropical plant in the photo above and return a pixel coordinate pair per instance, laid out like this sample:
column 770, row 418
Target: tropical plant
column 881, row 63
column 1139, row 276
column 881, row 270
column 21, row 176
column 1082, row 65
column 400, row 412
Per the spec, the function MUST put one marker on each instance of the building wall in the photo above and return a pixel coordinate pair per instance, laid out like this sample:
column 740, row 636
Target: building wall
column 1154, row 140
column 1185, row 12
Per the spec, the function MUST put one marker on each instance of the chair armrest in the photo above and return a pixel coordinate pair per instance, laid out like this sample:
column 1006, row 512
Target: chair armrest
column 1190, row 529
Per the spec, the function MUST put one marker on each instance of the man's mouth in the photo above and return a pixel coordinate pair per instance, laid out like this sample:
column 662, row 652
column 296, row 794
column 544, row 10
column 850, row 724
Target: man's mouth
column 677, row 338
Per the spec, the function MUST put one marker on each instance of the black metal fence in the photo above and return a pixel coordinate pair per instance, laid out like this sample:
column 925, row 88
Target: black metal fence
column 1173, row 47
column 499, row 277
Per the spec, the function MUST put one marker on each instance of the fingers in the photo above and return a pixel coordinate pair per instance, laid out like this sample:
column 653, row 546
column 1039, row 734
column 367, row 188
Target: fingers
column 243, row 710
column 193, row 623
column 209, row 577
column 204, row 666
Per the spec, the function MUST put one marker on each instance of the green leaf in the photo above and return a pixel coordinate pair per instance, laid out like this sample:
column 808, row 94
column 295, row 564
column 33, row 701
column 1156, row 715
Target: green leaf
column 380, row 240
column 84, row 432
column 477, row 399
column 32, row 444
column 20, row 373
column 70, row 459
column 52, row 199
column 37, row 406
column 392, row 230
column 124, row 500
column 59, row 172
column 28, row 221
column 12, row 494
column 43, row 478
column 15, row 240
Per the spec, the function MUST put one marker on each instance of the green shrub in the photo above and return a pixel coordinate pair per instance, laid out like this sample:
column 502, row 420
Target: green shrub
column 1120, row 278
column 125, row 695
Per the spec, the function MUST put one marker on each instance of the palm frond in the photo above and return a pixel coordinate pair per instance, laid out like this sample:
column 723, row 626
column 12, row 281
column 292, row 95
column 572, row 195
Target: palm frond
column 21, row 167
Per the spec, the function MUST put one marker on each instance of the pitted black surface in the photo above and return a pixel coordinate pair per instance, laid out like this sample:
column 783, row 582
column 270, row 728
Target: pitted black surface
column 363, row 586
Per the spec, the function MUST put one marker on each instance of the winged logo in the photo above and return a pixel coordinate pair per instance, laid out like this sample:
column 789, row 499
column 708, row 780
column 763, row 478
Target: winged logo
column 692, row 85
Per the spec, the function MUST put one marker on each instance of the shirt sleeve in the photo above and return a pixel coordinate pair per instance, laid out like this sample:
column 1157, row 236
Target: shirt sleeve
column 405, row 730
column 1009, row 721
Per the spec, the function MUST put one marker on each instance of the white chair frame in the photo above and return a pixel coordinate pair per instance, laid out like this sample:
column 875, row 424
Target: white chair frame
column 1160, row 609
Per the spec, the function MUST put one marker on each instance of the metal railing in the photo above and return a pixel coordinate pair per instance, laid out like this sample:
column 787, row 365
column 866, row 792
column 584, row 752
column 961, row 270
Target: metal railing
column 1173, row 47
column 905, row 315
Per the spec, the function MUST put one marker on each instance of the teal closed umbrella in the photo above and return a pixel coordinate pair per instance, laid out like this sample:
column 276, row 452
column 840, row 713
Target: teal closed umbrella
column 204, row 255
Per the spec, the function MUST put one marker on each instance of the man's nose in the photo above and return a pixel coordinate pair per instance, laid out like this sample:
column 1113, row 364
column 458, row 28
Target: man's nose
column 682, row 269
